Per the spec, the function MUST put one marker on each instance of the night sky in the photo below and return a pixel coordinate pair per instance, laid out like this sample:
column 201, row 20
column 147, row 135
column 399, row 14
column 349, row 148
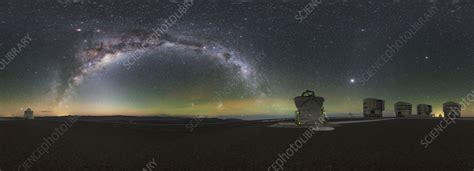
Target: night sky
column 239, row 58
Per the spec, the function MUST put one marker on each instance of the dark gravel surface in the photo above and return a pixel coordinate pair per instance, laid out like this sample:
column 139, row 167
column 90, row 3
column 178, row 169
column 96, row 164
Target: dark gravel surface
column 385, row 145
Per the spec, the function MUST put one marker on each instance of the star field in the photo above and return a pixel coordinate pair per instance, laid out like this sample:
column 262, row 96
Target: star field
column 230, row 58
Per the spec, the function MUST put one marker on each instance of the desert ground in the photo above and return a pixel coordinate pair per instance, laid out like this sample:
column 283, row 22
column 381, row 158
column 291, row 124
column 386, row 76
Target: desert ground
column 237, row 145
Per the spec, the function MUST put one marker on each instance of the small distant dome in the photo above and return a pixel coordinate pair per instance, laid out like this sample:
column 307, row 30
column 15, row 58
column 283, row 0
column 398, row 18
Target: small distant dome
column 28, row 114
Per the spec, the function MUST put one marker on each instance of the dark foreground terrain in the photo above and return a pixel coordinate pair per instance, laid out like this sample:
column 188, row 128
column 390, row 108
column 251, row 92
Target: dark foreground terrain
column 385, row 145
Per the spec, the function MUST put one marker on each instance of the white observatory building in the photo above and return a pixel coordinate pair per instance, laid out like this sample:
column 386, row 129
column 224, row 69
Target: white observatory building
column 373, row 107
column 450, row 106
column 310, row 108
column 424, row 109
column 28, row 114
column 403, row 109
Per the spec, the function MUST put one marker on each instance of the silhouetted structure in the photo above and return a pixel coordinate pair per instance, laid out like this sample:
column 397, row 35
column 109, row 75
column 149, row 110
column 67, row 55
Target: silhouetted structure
column 29, row 114
column 310, row 108
column 452, row 107
column 424, row 109
column 373, row 107
column 403, row 109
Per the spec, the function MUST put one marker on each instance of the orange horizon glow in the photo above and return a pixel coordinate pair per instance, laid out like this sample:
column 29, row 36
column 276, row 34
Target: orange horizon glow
column 253, row 106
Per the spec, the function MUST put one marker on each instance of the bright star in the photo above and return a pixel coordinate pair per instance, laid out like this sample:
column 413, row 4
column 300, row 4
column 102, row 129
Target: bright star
column 352, row 80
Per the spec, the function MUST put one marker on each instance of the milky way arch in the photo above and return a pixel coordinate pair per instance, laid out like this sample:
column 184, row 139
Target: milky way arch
column 130, row 48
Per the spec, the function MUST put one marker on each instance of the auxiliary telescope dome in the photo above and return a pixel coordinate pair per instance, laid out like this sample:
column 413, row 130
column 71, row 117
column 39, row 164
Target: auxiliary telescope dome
column 28, row 114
